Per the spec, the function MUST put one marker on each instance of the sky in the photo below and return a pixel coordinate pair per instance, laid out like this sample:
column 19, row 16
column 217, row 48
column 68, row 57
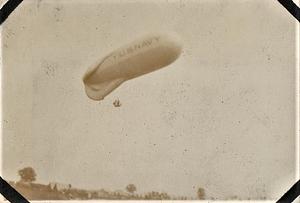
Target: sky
column 221, row 117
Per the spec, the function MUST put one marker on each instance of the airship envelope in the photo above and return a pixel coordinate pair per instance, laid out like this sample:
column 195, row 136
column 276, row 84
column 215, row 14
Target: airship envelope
column 132, row 60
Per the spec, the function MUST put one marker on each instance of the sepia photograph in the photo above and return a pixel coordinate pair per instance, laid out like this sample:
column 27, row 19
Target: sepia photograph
column 150, row 100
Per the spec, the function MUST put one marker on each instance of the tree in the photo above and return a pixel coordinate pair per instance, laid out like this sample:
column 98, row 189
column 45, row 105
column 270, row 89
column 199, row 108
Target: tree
column 201, row 193
column 27, row 174
column 131, row 188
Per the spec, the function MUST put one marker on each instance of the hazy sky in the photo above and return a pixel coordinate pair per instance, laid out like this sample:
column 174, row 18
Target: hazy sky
column 221, row 117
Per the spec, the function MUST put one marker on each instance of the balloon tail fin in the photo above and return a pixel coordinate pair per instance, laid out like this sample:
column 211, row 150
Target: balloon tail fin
column 99, row 91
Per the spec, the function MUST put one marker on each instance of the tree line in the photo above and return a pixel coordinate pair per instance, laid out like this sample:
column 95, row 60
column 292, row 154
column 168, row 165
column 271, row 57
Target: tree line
column 28, row 176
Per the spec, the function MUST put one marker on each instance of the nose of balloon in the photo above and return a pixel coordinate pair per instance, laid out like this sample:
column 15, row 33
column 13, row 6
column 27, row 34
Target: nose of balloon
column 175, row 44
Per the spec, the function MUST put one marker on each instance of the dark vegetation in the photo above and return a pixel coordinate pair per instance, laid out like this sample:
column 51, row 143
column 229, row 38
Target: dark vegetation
column 57, row 191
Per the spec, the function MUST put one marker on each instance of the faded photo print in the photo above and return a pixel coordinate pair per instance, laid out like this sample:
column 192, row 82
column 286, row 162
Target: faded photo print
column 149, row 100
